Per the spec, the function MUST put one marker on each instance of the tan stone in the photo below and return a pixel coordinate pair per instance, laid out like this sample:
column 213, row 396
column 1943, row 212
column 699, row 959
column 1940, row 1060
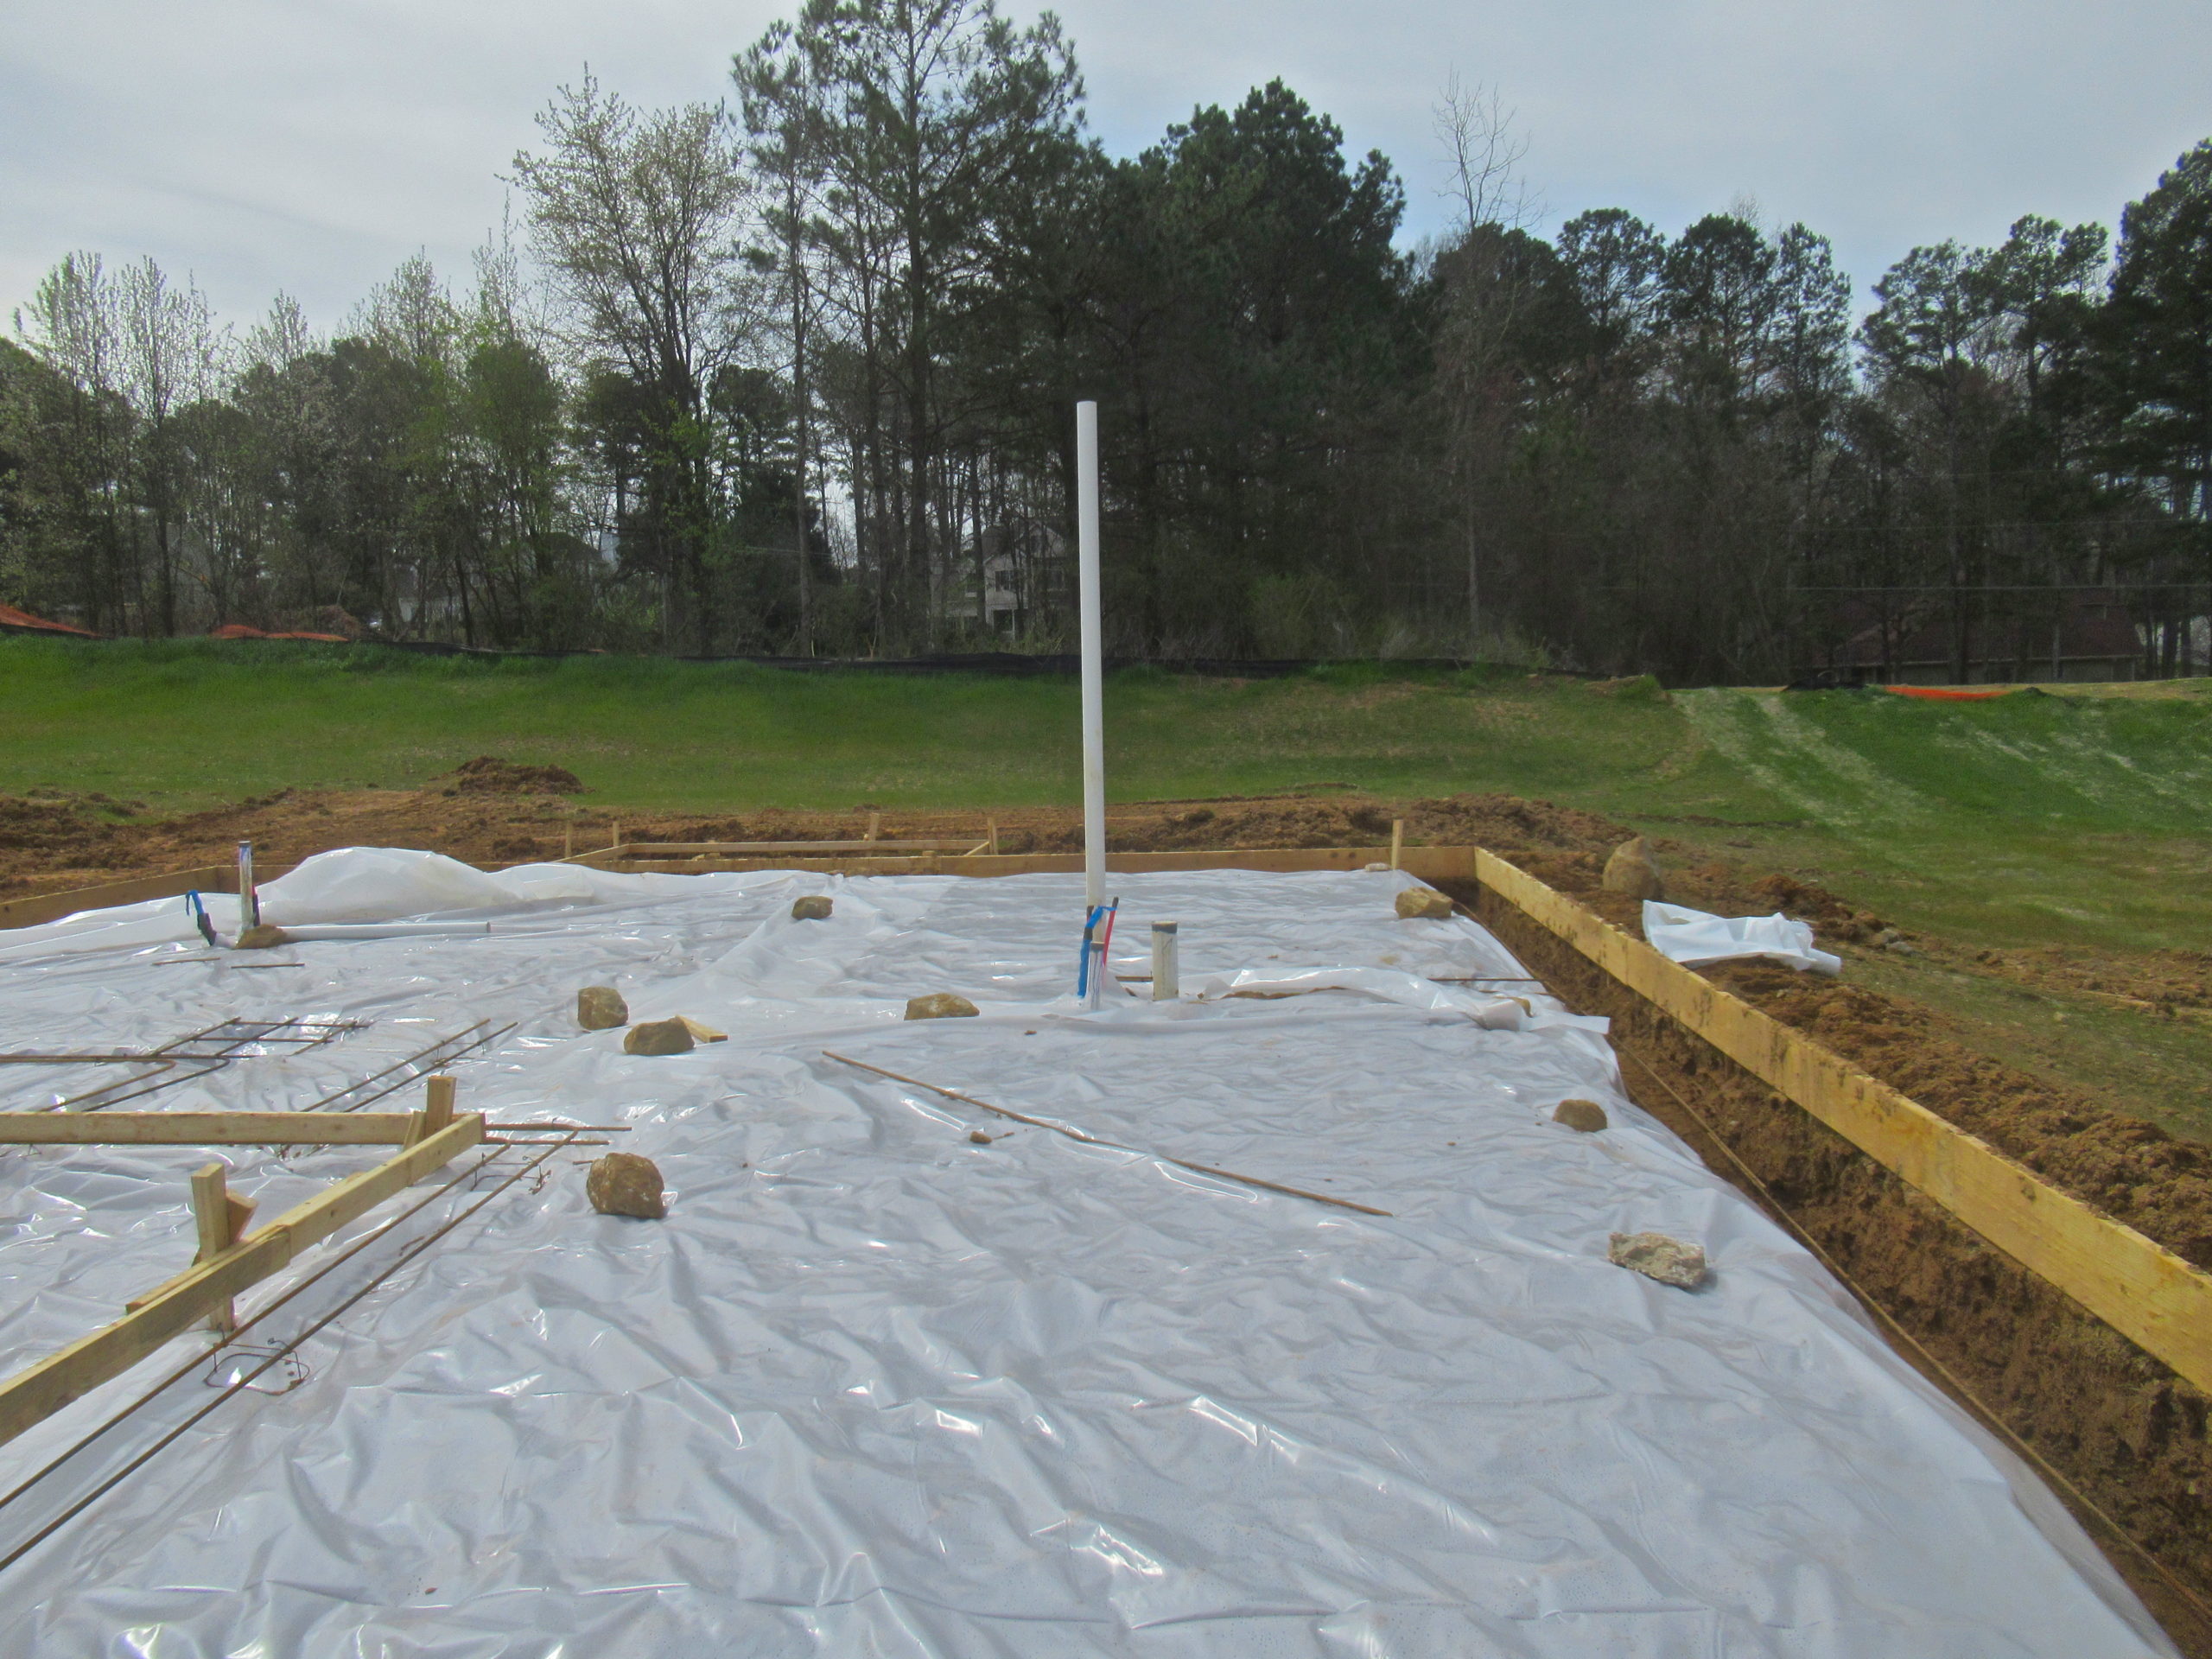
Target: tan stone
column 979, row 1137
column 600, row 1008
column 702, row 1032
column 813, row 908
column 1586, row 1115
column 623, row 1183
column 658, row 1037
column 261, row 936
column 1655, row 1256
column 939, row 1005
column 1423, row 904
column 1633, row 871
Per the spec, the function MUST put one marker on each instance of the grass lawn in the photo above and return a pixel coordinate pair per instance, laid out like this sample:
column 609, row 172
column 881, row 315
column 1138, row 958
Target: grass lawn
column 2031, row 819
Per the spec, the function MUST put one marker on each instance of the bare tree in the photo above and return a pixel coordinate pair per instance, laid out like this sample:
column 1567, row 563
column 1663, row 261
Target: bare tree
column 1487, row 292
column 783, row 113
column 173, row 357
column 1482, row 156
column 639, row 215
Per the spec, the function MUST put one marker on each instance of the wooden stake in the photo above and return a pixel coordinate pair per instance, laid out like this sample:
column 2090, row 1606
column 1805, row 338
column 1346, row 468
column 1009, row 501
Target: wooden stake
column 436, row 1113
column 875, row 824
column 222, row 1218
column 1397, row 839
column 991, row 826
column 617, row 841
column 568, row 839
column 210, row 1208
column 438, row 1108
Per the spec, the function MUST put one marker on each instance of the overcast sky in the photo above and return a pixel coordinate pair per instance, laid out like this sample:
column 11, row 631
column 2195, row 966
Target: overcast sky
column 309, row 147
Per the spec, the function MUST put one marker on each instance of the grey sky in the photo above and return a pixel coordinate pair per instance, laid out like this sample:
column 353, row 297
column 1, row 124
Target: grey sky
column 309, row 147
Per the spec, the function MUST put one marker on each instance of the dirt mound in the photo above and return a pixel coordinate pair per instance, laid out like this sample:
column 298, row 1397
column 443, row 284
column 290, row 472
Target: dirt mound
column 487, row 774
column 2133, row 1170
column 43, row 825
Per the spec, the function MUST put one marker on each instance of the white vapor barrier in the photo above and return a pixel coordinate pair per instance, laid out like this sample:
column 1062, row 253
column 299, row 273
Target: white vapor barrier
column 1693, row 937
column 876, row 1388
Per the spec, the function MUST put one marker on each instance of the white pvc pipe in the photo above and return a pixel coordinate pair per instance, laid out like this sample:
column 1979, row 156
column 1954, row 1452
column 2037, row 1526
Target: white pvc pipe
column 1094, row 688
column 387, row 930
column 249, row 896
column 1165, row 986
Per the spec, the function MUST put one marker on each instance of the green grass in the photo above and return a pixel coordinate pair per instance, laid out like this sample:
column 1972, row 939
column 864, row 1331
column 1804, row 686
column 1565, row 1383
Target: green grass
column 2028, row 819
column 188, row 723
column 2024, row 820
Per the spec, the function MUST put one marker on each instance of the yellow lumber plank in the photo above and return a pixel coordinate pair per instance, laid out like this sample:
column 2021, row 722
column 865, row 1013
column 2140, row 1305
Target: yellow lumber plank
column 1433, row 863
column 2136, row 1286
column 323, row 1215
column 43, row 1388
column 203, row 1128
column 669, row 849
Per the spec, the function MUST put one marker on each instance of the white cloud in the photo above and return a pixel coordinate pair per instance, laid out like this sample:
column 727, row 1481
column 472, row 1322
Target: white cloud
column 263, row 145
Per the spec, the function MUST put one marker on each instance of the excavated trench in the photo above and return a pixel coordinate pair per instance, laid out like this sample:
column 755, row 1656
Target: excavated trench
column 2115, row 1424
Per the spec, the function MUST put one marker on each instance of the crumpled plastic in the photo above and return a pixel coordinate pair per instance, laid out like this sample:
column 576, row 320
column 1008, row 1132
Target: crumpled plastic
column 876, row 1386
column 1692, row 937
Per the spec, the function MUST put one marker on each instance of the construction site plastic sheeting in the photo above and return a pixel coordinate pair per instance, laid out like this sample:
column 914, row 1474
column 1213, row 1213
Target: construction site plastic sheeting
column 1692, row 937
column 877, row 1386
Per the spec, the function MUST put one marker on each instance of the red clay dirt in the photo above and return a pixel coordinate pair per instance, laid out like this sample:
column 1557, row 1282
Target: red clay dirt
column 493, row 811
column 2119, row 1426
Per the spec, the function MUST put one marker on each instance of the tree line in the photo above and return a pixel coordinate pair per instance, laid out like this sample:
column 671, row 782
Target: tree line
column 793, row 374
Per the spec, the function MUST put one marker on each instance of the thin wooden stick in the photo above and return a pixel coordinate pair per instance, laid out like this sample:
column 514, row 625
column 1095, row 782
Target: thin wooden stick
column 1397, row 840
column 202, row 1129
column 242, row 1128
column 1094, row 1140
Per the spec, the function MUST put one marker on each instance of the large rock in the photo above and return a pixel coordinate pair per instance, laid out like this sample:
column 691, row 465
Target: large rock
column 1586, row 1115
column 1657, row 1256
column 939, row 1005
column 1633, row 871
column 600, row 1008
column 1423, row 904
column 623, row 1183
column 815, row 907
column 658, row 1037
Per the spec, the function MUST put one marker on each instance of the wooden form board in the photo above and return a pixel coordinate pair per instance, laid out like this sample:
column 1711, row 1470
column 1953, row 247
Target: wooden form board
column 206, row 1129
column 34, row 908
column 653, row 850
column 206, row 1288
column 2143, row 1291
column 1433, row 863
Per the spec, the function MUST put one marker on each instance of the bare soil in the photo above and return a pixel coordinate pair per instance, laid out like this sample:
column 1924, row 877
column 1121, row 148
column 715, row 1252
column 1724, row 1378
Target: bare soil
column 2120, row 1426
column 2126, row 1431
